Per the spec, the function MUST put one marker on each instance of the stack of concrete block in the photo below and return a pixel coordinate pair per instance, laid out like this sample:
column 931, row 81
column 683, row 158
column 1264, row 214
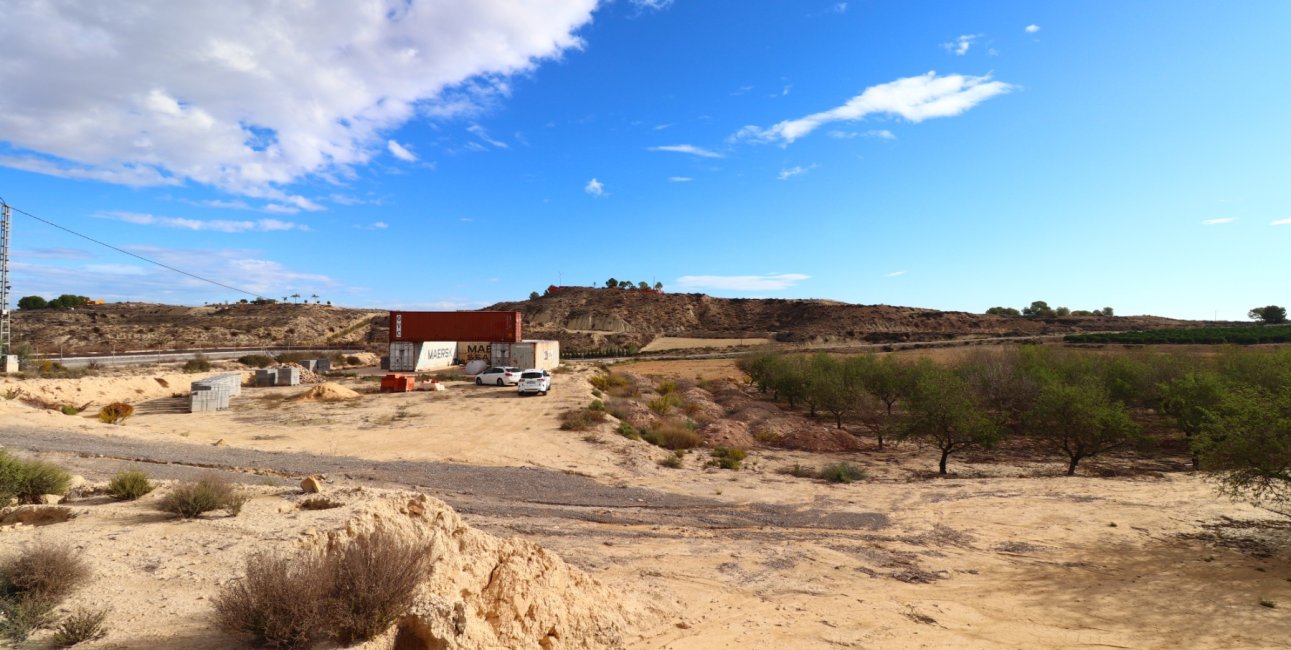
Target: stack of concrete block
column 309, row 364
column 214, row 392
column 288, row 377
column 267, row 377
column 322, row 365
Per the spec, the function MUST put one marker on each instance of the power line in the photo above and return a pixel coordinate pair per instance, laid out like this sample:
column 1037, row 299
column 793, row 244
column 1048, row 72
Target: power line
column 126, row 252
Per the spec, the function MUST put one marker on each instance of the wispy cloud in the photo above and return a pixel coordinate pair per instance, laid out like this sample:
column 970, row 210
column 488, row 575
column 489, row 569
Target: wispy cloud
column 894, row 274
column 212, row 225
column 687, row 148
column 913, row 98
column 375, row 225
column 1280, row 222
column 680, row 179
column 653, row 5
column 960, row 46
column 595, row 188
column 840, row 7
column 479, row 132
column 881, row 134
column 53, row 253
column 769, row 282
column 401, row 152
column 1031, row 29
column 796, row 170
column 1215, row 222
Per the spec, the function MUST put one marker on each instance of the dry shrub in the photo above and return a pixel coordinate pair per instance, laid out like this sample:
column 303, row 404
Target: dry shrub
column 32, row 584
column 727, row 458
column 673, row 460
column 673, row 435
column 319, row 503
column 581, row 419
column 799, row 470
column 45, row 572
column 375, row 580
column 115, row 413
column 667, row 387
column 281, row 602
column 211, row 492
column 79, row 627
column 198, row 363
column 130, row 485
column 351, row 596
column 664, row 403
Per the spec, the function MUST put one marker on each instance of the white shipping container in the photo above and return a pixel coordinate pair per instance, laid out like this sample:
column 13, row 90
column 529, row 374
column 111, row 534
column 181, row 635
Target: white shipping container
column 473, row 350
column 406, row 356
column 543, row 355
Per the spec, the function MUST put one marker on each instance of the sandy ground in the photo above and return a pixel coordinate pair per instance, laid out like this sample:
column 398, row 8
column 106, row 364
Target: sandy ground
column 1007, row 555
column 663, row 343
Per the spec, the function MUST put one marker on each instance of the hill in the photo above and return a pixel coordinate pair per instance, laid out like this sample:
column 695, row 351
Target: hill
column 128, row 326
column 587, row 319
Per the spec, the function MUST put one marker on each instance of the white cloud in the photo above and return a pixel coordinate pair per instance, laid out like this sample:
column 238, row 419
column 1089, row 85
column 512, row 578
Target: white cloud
column 595, row 188
column 114, row 280
column 214, row 225
column 1031, row 29
column 894, row 274
column 769, row 282
column 680, row 179
column 796, row 170
column 1213, row 222
column 479, row 132
column 882, row 134
column 840, row 7
column 913, row 98
column 959, row 46
column 375, row 225
column 401, row 152
column 1280, row 222
column 53, row 253
column 251, row 97
column 654, row 5
column 687, row 148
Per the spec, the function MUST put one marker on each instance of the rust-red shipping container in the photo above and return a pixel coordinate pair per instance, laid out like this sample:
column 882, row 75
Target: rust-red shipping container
column 486, row 326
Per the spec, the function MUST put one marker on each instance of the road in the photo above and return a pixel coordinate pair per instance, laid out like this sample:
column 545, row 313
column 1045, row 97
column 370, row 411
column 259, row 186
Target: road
column 505, row 493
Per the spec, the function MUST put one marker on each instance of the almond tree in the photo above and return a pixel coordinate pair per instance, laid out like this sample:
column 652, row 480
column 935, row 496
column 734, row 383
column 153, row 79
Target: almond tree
column 943, row 412
column 1081, row 420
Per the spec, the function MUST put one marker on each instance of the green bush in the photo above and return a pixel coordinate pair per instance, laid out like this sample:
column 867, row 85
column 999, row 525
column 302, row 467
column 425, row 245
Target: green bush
column 79, row 627
column 727, row 458
column 799, row 470
column 256, row 360
column 115, row 413
column 672, row 461
column 628, row 431
column 597, row 405
column 29, row 480
column 842, row 473
column 211, row 492
column 129, row 485
column 198, row 363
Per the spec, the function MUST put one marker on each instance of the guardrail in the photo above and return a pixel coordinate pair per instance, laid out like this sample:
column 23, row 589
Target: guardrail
column 140, row 357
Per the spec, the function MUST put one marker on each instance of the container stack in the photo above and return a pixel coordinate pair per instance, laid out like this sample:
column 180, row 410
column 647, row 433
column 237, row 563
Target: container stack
column 214, row 393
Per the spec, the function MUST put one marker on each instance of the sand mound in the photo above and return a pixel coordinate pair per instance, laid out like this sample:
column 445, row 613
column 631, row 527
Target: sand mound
column 728, row 433
column 329, row 392
column 486, row 592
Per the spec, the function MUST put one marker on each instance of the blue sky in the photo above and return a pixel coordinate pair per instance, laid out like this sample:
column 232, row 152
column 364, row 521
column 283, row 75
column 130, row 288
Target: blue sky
column 452, row 154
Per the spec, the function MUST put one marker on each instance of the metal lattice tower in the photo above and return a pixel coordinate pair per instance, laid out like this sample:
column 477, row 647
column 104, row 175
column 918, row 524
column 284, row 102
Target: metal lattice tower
column 6, row 345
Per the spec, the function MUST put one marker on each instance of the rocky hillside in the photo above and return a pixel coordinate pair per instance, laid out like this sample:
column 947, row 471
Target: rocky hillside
column 585, row 318
column 122, row 327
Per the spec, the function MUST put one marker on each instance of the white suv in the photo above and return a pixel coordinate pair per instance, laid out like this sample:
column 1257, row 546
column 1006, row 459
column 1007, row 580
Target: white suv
column 534, row 381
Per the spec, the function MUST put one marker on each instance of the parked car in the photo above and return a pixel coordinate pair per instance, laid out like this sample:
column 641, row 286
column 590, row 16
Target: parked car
column 534, row 380
column 500, row 375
